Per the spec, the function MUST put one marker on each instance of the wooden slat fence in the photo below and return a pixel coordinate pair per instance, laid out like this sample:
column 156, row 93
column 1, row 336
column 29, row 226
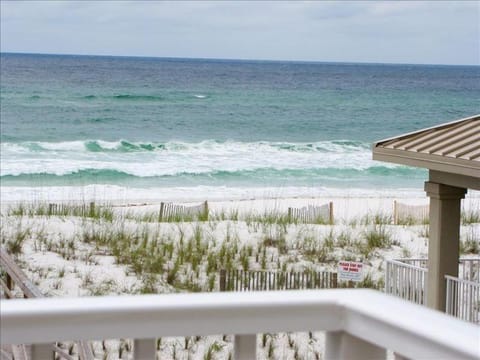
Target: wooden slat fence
column 312, row 214
column 240, row 280
column 170, row 211
column 66, row 210
column 15, row 276
column 407, row 214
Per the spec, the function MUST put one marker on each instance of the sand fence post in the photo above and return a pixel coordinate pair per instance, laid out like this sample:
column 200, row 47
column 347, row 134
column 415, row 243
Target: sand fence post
column 205, row 210
column 334, row 281
column 92, row 209
column 223, row 280
column 395, row 215
column 160, row 214
column 330, row 208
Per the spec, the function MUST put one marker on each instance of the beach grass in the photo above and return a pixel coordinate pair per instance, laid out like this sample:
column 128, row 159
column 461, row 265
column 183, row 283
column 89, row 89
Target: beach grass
column 471, row 216
column 186, row 255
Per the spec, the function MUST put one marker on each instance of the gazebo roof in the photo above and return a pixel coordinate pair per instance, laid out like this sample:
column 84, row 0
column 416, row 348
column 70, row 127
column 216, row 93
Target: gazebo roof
column 452, row 148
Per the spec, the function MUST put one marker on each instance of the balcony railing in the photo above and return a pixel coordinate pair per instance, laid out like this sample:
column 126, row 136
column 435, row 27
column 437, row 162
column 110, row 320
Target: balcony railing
column 463, row 299
column 360, row 324
column 407, row 279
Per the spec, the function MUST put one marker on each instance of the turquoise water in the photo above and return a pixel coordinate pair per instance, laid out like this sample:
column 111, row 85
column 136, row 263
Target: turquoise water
column 164, row 123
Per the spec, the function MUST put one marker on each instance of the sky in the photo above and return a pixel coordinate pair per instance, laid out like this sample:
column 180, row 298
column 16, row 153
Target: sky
column 443, row 32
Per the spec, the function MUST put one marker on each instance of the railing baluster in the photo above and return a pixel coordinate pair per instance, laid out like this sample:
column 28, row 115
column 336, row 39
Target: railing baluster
column 406, row 279
column 468, row 302
column 144, row 349
column 395, row 280
column 341, row 345
column 41, row 352
column 456, row 299
column 463, row 298
column 397, row 356
column 245, row 347
column 387, row 278
column 410, row 276
column 477, row 304
column 420, row 289
column 448, row 301
column 415, row 286
column 402, row 283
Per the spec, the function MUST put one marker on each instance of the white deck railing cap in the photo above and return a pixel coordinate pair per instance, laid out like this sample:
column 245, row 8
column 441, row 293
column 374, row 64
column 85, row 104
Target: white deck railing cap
column 384, row 320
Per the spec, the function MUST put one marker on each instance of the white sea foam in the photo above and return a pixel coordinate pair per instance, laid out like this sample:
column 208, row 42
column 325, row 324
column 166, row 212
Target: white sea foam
column 145, row 159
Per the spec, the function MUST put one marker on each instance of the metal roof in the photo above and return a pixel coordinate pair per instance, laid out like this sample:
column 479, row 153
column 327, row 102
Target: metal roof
column 452, row 148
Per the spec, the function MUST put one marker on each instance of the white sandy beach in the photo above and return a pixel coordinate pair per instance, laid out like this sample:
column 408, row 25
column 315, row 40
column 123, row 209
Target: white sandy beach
column 64, row 256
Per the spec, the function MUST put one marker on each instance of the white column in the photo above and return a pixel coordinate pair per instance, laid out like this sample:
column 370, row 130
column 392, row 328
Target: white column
column 443, row 245
column 144, row 349
column 341, row 345
column 245, row 347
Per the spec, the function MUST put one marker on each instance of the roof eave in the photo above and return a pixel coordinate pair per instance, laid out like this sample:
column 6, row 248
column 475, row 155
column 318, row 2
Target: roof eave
column 427, row 161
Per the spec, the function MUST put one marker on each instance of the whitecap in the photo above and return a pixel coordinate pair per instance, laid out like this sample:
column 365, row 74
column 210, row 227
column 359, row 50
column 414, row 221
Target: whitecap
column 181, row 157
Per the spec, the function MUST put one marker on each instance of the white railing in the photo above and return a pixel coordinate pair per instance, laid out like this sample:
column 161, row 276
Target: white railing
column 407, row 279
column 360, row 324
column 463, row 299
column 469, row 269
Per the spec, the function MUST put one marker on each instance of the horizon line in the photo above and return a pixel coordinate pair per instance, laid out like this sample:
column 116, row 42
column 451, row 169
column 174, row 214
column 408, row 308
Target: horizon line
column 235, row 59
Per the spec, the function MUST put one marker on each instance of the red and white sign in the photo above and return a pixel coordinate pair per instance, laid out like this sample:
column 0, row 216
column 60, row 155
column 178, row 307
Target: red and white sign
column 350, row 271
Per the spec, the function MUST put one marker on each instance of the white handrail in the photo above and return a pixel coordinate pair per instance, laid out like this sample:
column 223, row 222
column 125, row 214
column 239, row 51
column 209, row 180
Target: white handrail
column 410, row 259
column 385, row 321
column 463, row 281
column 408, row 265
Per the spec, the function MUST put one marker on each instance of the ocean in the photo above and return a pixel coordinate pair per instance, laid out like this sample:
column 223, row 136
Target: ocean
column 119, row 128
